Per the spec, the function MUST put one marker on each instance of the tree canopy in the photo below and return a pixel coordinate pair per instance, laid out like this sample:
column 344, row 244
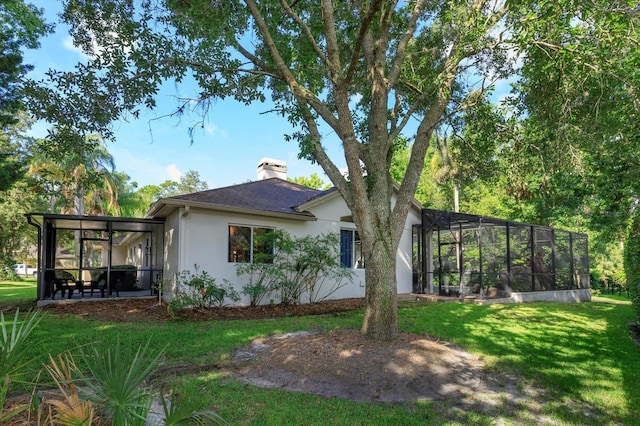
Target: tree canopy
column 579, row 102
column 312, row 181
column 21, row 27
column 189, row 182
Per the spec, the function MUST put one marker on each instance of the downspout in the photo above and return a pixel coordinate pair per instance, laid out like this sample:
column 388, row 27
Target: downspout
column 480, row 260
column 182, row 237
column 110, row 260
column 40, row 268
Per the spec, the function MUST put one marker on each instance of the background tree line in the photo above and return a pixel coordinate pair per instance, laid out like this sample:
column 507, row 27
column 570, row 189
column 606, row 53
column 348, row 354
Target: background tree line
column 88, row 182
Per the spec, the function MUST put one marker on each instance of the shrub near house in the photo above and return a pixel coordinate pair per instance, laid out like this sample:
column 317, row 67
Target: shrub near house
column 306, row 266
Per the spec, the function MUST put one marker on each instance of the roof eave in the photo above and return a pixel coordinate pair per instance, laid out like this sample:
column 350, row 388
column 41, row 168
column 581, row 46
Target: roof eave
column 326, row 197
column 176, row 204
column 308, row 205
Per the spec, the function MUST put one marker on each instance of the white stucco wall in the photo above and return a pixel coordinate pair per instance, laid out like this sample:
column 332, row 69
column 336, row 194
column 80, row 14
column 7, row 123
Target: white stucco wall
column 200, row 237
column 404, row 260
column 171, row 257
column 144, row 250
column 564, row 296
column 118, row 255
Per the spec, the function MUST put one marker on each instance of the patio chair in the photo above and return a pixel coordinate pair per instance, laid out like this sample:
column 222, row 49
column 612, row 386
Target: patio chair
column 128, row 280
column 63, row 282
column 101, row 284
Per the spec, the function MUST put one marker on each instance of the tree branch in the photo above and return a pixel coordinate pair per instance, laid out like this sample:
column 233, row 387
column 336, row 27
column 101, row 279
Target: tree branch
column 360, row 40
column 394, row 73
column 252, row 58
column 301, row 93
column 320, row 155
column 423, row 135
column 307, row 32
column 333, row 52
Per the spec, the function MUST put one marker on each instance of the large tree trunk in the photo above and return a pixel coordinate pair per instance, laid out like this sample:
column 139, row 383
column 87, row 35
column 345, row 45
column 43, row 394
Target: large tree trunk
column 380, row 243
column 381, row 308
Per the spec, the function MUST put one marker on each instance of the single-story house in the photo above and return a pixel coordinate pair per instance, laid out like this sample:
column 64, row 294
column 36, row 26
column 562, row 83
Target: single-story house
column 215, row 229
column 440, row 253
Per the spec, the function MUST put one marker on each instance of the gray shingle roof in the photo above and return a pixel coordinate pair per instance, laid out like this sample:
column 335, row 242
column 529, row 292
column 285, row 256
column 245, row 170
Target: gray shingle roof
column 268, row 195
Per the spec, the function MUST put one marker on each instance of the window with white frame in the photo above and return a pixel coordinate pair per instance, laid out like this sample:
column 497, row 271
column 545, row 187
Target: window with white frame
column 351, row 249
column 249, row 244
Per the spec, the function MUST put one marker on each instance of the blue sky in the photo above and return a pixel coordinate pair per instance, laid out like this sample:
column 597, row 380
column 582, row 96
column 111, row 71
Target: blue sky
column 150, row 151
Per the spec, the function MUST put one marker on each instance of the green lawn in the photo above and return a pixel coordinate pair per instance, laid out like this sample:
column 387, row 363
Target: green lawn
column 17, row 292
column 581, row 354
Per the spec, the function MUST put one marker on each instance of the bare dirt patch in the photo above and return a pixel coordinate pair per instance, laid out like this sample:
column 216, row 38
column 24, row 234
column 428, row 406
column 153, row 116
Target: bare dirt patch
column 342, row 363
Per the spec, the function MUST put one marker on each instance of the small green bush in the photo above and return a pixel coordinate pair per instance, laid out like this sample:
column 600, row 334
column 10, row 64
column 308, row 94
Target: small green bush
column 265, row 274
column 110, row 386
column 6, row 271
column 14, row 345
column 200, row 290
column 255, row 291
column 308, row 266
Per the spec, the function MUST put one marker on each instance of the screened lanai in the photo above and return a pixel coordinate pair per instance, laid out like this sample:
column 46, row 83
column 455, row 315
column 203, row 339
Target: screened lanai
column 97, row 256
column 457, row 254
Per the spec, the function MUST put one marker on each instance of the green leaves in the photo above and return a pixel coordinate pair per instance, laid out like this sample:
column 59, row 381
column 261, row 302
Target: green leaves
column 200, row 290
column 632, row 261
column 21, row 27
column 579, row 102
column 116, row 376
column 14, row 340
column 111, row 385
column 180, row 413
column 370, row 72
column 300, row 266
column 14, row 353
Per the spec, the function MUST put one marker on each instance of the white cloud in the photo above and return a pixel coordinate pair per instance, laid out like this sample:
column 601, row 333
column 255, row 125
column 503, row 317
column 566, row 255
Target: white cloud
column 216, row 131
column 67, row 43
column 174, row 173
column 355, row 99
column 97, row 48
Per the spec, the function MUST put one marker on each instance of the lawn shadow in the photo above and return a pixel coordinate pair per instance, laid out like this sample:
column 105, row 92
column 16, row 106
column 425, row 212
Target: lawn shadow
column 574, row 351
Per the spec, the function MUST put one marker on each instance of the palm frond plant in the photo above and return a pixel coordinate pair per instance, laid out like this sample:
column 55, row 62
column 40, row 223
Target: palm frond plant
column 115, row 380
column 180, row 413
column 68, row 408
column 13, row 354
